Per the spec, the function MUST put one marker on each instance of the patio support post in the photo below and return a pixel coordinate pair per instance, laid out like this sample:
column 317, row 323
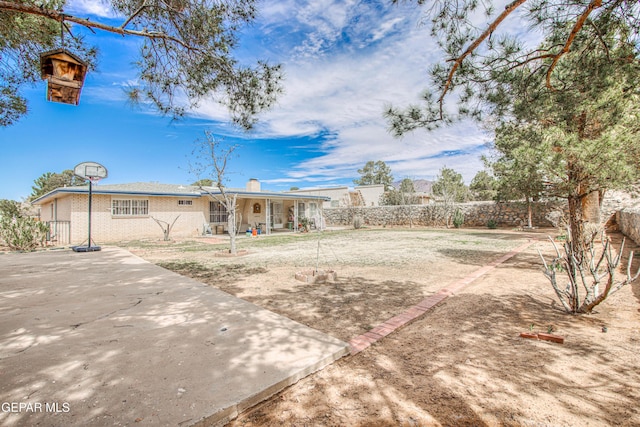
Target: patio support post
column 267, row 220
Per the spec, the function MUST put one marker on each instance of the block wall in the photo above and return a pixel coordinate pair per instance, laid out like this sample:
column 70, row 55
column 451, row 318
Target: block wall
column 477, row 214
column 629, row 223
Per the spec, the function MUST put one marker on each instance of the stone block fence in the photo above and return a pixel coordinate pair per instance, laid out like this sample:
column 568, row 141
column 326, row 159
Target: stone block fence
column 478, row 214
column 628, row 220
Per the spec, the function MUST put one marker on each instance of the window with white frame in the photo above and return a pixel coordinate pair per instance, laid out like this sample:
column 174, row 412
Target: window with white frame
column 217, row 213
column 309, row 210
column 313, row 209
column 129, row 207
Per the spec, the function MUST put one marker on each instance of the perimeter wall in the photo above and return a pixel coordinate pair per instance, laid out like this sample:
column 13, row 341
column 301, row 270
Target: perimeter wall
column 478, row 214
column 628, row 220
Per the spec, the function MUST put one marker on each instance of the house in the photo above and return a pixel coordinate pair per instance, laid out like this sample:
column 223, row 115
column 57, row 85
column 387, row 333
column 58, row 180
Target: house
column 129, row 211
column 362, row 195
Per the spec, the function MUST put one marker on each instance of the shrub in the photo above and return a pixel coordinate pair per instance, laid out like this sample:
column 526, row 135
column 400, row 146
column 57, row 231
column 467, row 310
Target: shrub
column 22, row 233
column 492, row 224
column 458, row 218
column 357, row 222
column 304, row 222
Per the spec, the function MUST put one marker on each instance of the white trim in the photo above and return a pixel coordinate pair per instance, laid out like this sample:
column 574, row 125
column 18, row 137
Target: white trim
column 129, row 207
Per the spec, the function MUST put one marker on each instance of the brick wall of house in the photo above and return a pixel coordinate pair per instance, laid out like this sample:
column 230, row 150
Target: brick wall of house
column 107, row 228
column 57, row 210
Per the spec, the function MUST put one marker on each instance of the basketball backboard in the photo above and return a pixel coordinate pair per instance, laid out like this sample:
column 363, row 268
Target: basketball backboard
column 90, row 170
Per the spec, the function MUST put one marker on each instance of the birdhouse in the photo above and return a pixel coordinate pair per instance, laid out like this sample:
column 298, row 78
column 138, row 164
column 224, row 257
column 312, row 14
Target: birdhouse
column 65, row 75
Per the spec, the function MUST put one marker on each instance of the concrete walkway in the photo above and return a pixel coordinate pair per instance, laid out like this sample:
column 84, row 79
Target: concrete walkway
column 106, row 338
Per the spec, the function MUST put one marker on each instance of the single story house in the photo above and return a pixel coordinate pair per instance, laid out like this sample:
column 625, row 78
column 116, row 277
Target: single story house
column 130, row 211
column 359, row 196
column 340, row 197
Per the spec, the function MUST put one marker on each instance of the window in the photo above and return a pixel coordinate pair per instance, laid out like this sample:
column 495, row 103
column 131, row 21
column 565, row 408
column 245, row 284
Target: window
column 185, row 202
column 129, row 207
column 313, row 210
column 217, row 213
column 310, row 210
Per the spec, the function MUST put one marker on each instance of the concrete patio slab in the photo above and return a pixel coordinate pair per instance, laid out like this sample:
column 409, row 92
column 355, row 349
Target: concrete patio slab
column 106, row 338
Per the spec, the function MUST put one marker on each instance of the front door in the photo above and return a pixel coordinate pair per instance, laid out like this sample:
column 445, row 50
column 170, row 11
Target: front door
column 276, row 215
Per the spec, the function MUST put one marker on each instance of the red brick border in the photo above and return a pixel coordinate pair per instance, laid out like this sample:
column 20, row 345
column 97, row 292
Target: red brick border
column 363, row 341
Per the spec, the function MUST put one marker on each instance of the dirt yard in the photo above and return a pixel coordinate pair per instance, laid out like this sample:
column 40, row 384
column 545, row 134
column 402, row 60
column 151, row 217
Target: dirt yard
column 463, row 362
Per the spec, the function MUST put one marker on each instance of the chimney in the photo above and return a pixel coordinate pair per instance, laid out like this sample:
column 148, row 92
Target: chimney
column 253, row 185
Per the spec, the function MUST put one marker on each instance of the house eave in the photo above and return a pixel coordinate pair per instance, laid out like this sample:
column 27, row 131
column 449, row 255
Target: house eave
column 97, row 191
column 271, row 195
column 194, row 195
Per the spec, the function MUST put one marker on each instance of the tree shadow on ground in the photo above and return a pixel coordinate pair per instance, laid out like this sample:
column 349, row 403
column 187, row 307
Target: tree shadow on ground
column 464, row 364
column 344, row 308
column 481, row 351
column 219, row 276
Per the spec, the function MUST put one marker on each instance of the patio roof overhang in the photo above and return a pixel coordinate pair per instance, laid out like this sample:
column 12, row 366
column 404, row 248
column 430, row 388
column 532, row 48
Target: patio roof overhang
column 189, row 192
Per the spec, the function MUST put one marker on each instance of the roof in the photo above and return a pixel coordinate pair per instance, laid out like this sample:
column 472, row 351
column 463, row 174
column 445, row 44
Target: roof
column 155, row 189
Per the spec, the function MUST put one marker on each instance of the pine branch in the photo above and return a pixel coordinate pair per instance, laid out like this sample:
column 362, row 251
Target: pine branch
column 62, row 17
column 133, row 16
column 477, row 42
column 574, row 31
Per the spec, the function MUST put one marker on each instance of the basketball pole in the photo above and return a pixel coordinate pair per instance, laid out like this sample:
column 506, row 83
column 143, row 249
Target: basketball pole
column 90, row 171
column 90, row 197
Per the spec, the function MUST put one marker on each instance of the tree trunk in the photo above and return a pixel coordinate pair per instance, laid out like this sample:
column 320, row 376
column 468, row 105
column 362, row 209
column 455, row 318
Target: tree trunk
column 529, row 212
column 576, row 227
column 231, row 223
column 591, row 207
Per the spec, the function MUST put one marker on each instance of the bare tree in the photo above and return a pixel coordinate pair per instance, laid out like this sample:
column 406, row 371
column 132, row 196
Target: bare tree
column 587, row 276
column 166, row 227
column 353, row 211
column 211, row 161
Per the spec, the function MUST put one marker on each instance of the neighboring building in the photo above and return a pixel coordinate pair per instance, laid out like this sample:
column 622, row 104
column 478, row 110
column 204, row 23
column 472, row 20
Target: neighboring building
column 127, row 211
column 363, row 195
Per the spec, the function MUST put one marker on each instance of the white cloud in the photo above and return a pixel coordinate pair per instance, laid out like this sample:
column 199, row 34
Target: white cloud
column 343, row 91
column 385, row 28
column 347, row 61
column 99, row 8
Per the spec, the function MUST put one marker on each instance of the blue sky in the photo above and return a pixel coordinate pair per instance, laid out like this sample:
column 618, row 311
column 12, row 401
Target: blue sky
column 343, row 62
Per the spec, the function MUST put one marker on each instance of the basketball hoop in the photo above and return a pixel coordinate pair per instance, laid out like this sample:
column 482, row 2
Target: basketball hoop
column 93, row 172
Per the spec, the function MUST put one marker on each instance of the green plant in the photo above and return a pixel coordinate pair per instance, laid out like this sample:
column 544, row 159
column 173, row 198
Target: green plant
column 304, row 222
column 357, row 222
column 22, row 233
column 458, row 218
column 492, row 224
